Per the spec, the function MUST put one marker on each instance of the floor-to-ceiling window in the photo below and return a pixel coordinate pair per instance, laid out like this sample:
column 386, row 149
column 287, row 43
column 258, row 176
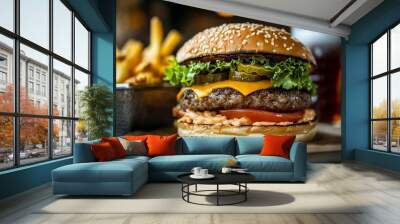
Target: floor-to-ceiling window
column 385, row 91
column 44, row 64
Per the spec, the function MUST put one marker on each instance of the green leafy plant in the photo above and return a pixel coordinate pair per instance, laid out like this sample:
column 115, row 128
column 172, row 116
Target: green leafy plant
column 291, row 73
column 96, row 103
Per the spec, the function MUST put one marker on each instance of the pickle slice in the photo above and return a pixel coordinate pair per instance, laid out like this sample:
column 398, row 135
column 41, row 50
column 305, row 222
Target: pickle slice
column 254, row 69
column 245, row 77
column 210, row 78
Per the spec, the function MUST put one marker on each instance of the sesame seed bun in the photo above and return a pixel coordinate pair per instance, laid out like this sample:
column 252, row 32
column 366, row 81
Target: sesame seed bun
column 243, row 38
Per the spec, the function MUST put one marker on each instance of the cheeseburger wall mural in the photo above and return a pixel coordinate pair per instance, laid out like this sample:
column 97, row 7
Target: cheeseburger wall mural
column 190, row 71
column 243, row 79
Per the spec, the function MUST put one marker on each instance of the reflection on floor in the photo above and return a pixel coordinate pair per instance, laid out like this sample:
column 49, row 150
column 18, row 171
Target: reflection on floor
column 376, row 189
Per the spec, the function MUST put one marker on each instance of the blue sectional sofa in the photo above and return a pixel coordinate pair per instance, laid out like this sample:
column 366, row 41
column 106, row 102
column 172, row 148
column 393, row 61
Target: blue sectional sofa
column 125, row 176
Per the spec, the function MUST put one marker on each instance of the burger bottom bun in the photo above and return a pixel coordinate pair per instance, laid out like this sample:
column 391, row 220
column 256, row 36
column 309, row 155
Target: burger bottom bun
column 185, row 129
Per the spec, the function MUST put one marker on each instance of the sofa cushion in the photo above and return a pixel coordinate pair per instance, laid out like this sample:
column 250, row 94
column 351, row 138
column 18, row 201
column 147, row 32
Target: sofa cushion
column 118, row 177
column 134, row 147
column 249, row 144
column 116, row 145
column 196, row 145
column 185, row 163
column 161, row 145
column 275, row 145
column 93, row 172
column 112, row 171
column 257, row 163
column 103, row 152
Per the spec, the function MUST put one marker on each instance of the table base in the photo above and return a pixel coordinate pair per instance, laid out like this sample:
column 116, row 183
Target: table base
column 241, row 191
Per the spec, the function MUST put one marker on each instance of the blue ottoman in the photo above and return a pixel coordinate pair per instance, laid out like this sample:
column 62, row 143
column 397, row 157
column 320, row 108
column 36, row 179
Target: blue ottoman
column 119, row 177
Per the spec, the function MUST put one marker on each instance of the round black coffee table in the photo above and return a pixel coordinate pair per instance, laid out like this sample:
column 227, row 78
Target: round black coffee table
column 238, row 179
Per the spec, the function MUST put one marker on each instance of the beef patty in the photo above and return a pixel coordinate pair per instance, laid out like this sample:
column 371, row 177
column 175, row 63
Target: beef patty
column 274, row 99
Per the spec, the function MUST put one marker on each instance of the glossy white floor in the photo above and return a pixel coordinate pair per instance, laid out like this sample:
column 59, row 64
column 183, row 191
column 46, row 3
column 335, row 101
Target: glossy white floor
column 378, row 189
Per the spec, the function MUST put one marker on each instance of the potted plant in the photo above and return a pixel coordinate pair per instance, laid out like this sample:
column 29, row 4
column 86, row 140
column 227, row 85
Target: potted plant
column 96, row 104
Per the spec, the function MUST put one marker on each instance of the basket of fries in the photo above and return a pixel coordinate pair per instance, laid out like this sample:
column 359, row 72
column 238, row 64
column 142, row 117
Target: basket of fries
column 144, row 66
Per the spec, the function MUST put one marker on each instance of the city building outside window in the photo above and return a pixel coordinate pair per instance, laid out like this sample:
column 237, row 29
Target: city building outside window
column 3, row 78
column 55, row 97
column 38, row 89
column 44, row 77
column 37, row 75
column 30, row 87
column 385, row 95
column 3, row 72
column 30, row 72
column 43, row 90
column 39, row 110
column 3, row 60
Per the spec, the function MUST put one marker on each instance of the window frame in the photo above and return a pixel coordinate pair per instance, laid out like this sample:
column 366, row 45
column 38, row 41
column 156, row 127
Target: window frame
column 16, row 115
column 388, row 74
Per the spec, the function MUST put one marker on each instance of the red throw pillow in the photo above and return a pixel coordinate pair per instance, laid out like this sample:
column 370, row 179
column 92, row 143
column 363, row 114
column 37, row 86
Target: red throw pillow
column 161, row 145
column 135, row 137
column 103, row 152
column 277, row 145
column 116, row 145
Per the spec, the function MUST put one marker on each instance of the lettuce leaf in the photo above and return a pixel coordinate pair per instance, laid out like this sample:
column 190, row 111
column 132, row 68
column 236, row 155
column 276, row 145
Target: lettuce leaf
column 291, row 73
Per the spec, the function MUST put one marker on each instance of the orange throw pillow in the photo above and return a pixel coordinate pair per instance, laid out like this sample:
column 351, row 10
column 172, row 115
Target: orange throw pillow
column 135, row 137
column 103, row 152
column 277, row 145
column 116, row 145
column 161, row 145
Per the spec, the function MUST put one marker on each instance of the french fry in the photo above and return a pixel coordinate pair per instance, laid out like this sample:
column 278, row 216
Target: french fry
column 156, row 35
column 133, row 57
column 140, row 78
column 144, row 63
column 127, row 46
column 117, row 53
column 134, row 54
column 131, row 80
column 122, row 71
column 171, row 41
column 152, row 53
column 140, row 66
column 133, row 50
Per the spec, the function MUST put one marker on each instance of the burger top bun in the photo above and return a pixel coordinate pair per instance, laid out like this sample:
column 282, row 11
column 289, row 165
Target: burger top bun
column 243, row 38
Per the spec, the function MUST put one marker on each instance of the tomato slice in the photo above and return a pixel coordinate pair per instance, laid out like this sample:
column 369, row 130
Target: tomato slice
column 261, row 115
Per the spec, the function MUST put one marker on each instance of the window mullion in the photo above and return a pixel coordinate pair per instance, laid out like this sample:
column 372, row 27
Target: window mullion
column 73, row 82
column 371, row 89
column 89, row 54
column 50, row 81
column 16, row 84
column 389, row 101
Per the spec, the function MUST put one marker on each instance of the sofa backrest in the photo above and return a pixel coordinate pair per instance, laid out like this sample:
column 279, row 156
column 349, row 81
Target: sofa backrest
column 83, row 152
column 193, row 145
column 206, row 145
column 249, row 144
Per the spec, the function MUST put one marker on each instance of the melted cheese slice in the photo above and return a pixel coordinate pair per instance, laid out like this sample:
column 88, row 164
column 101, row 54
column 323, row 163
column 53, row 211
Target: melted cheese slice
column 244, row 88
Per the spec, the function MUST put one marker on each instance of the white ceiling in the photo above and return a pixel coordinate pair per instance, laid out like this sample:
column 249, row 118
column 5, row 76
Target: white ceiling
column 326, row 16
column 321, row 9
